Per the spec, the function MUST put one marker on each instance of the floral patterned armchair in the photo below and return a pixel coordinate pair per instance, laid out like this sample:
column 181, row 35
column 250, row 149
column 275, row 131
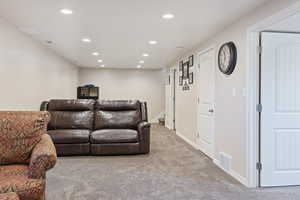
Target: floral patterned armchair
column 9, row 196
column 26, row 153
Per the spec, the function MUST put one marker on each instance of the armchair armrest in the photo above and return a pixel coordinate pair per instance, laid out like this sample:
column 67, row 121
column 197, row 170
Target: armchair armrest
column 43, row 158
column 144, row 136
column 9, row 196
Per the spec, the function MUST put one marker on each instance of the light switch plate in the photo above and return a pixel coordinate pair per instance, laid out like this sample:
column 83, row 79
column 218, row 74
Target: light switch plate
column 233, row 92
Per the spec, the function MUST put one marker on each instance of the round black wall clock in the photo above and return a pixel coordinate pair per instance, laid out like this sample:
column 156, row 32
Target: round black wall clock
column 227, row 58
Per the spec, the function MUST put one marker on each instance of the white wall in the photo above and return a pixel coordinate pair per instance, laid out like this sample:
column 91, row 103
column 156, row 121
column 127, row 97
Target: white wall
column 30, row 73
column 230, row 124
column 186, row 109
column 122, row 84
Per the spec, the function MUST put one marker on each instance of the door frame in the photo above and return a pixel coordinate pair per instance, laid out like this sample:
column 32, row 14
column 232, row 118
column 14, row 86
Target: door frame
column 253, row 90
column 213, row 49
column 172, row 74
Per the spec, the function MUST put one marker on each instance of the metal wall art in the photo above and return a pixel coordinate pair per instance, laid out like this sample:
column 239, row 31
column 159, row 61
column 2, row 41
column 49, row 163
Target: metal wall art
column 185, row 77
column 191, row 78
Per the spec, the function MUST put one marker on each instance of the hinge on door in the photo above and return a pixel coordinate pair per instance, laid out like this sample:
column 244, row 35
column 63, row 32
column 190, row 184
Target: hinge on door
column 259, row 166
column 259, row 50
column 259, row 108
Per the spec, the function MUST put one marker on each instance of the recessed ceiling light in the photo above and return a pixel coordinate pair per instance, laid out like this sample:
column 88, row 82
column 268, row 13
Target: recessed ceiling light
column 102, row 65
column 142, row 62
column 100, row 61
column 168, row 16
column 152, row 42
column 145, row 55
column 66, row 11
column 139, row 66
column 49, row 42
column 86, row 40
column 96, row 54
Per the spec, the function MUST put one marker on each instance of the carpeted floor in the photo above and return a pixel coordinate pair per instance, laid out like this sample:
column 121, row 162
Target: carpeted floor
column 173, row 171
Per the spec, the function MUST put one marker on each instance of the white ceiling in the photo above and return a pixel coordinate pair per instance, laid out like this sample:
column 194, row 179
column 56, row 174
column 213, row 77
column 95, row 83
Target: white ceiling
column 120, row 29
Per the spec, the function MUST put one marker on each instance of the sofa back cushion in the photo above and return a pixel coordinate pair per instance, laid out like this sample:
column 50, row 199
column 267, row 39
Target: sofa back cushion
column 71, row 114
column 19, row 133
column 117, row 114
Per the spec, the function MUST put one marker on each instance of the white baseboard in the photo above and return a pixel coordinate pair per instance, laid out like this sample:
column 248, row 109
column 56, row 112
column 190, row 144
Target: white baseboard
column 232, row 173
column 193, row 144
column 167, row 126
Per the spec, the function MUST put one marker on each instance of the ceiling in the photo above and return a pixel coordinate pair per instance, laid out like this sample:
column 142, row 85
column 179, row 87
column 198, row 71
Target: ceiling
column 290, row 24
column 121, row 29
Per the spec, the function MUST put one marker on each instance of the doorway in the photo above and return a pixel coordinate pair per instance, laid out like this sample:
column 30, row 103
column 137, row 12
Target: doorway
column 286, row 21
column 171, row 100
column 206, row 102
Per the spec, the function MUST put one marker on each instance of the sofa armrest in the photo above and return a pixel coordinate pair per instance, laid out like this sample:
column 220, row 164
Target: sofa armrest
column 44, row 106
column 144, row 111
column 144, row 136
column 43, row 158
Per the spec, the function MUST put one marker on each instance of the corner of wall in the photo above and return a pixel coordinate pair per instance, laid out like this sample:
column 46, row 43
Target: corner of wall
column 233, row 173
column 155, row 119
column 193, row 144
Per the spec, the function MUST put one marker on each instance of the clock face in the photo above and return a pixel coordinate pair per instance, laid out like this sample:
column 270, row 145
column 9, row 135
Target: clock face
column 227, row 58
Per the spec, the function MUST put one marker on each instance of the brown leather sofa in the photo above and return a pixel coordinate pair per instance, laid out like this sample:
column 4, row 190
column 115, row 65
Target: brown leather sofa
column 88, row 127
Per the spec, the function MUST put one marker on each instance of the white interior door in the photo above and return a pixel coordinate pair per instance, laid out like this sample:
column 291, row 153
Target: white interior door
column 280, row 117
column 168, row 103
column 206, row 101
column 170, row 100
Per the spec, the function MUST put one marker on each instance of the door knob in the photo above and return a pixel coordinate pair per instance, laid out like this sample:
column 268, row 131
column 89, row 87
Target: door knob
column 211, row 110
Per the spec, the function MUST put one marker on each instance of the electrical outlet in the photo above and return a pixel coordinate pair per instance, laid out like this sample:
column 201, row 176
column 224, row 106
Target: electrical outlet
column 244, row 92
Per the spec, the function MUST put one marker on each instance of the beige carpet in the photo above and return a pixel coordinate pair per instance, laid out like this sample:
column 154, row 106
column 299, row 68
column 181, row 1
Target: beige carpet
column 173, row 171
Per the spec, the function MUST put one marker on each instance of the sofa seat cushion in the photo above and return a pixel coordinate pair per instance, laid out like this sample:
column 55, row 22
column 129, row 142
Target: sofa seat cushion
column 14, row 178
column 107, row 136
column 69, row 136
